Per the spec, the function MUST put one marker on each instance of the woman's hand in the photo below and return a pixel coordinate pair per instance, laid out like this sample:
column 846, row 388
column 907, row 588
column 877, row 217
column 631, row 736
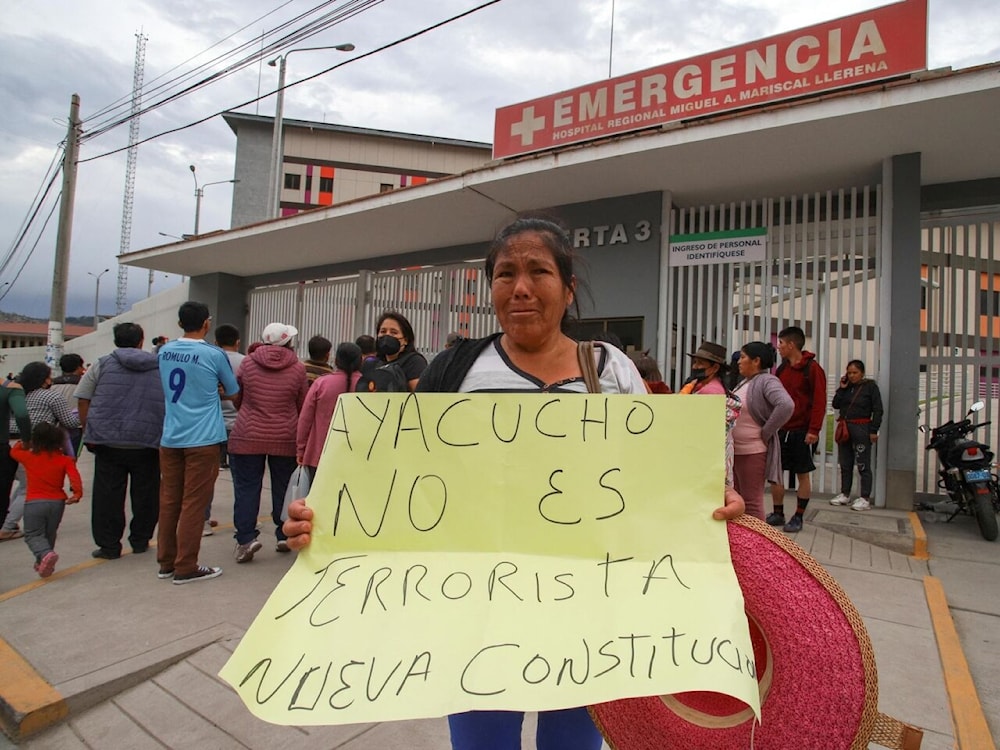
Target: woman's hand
column 298, row 527
column 734, row 506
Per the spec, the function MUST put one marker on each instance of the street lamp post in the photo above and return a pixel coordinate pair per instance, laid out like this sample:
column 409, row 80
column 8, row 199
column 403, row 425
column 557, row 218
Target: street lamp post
column 97, row 291
column 277, row 140
column 199, row 193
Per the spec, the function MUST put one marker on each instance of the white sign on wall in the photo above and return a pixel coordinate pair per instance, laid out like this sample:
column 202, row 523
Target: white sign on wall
column 710, row 248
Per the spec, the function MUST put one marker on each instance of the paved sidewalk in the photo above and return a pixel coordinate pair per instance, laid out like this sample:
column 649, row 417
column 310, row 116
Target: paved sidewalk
column 136, row 658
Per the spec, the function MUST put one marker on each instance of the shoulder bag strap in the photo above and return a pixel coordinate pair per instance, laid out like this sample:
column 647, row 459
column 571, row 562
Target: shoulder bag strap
column 853, row 399
column 585, row 354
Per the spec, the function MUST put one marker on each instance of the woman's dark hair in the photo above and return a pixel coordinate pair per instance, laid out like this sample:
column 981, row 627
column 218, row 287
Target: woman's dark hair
column 555, row 239
column 47, row 438
column 33, row 376
column 348, row 358
column 411, row 344
column 647, row 367
column 857, row 363
column 763, row 351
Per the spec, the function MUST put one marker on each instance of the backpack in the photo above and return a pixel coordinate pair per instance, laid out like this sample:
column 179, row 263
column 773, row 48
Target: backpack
column 384, row 377
column 807, row 375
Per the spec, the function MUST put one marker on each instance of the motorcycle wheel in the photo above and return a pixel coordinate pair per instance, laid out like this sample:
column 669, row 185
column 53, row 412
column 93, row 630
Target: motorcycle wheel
column 986, row 517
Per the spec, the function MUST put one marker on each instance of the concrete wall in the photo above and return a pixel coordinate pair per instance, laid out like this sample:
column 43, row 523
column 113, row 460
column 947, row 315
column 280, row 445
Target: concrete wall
column 157, row 315
column 363, row 163
column 617, row 243
column 253, row 167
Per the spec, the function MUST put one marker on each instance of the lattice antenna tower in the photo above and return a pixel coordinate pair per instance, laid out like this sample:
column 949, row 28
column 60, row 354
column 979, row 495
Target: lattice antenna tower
column 133, row 150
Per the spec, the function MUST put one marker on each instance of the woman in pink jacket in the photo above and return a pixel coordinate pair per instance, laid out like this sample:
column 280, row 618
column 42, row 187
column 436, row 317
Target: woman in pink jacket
column 273, row 387
column 317, row 411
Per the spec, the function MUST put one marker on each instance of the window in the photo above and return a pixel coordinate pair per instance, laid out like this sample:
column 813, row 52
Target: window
column 293, row 181
column 309, row 182
column 385, row 187
column 326, row 184
column 989, row 302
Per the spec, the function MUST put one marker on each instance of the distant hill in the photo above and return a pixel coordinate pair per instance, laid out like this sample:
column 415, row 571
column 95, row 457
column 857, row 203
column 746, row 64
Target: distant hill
column 74, row 320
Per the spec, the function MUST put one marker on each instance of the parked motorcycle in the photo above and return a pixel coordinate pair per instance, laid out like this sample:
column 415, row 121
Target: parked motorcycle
column 966, row 471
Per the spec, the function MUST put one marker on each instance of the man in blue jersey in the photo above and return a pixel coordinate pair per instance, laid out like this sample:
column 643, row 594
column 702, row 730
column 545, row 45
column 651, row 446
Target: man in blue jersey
column 191, row 372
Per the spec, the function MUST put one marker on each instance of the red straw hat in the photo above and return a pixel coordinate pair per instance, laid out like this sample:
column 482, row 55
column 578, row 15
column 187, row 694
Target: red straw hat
column 815, row 667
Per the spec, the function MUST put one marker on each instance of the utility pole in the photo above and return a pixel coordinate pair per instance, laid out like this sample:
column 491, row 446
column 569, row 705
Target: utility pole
column 60, row 273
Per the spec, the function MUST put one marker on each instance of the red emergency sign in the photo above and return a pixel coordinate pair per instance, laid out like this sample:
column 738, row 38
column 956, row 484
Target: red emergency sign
column 877, row 44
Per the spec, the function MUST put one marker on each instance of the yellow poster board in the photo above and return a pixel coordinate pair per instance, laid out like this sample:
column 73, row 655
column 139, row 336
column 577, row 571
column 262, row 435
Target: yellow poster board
column 507, row 551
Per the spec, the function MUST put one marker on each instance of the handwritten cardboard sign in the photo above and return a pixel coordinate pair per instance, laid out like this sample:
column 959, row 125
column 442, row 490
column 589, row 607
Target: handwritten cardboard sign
column 508, row 551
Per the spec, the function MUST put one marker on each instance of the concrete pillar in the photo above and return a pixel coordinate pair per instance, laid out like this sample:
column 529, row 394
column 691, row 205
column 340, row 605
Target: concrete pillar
column 899, row 313
column 226, row 297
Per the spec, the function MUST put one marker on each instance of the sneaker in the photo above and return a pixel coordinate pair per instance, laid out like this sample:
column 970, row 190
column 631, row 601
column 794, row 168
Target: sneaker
column 282, row 546
column 794, row 525
column 47, row 565
column 163, row 574
column 138, row 549
column 861, row 504
column 840, row 499
column 775, row 519
column 208, row 530
column 244, row 552
column 105, row 554
column 201, row 573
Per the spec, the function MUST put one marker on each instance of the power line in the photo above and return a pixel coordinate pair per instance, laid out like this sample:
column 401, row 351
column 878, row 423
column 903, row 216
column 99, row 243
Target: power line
column 31, row 252
column 314, row 27
column 384, row 47
column 123, row 101
column 32, row 214
column 349, row 10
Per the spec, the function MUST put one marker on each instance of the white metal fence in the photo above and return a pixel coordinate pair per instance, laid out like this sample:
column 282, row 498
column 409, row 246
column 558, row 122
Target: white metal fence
column 821, row 273
column 436, row 301
column 959, row 324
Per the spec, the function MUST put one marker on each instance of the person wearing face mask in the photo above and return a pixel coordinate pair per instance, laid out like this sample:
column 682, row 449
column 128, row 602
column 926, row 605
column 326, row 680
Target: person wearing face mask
column 708, row 365
column 395, row 343
column 708, row 368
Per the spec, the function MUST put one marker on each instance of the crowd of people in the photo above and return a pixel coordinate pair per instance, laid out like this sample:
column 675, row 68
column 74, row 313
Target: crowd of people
column 163, row 424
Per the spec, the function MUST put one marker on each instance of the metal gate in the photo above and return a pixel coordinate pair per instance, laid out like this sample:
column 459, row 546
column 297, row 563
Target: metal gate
column 959, row 325
column 821, row 274
column 436, row 301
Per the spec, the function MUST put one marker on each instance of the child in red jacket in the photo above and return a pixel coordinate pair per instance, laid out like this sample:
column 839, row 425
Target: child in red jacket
column 46, row 467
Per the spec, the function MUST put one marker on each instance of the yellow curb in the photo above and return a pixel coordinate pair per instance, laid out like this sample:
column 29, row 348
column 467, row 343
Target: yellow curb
column 28, row 703
column 54, row 577
column 971, row 730
column 920, row 550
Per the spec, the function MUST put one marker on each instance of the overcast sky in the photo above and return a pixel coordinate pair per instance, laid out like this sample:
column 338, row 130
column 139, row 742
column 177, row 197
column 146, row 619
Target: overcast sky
column 447, row 83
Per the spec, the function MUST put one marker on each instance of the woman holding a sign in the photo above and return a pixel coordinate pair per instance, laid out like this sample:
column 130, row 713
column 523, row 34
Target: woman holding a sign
column 530, row 269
